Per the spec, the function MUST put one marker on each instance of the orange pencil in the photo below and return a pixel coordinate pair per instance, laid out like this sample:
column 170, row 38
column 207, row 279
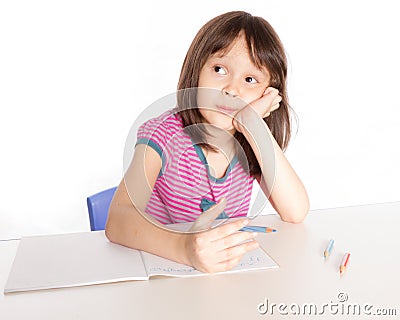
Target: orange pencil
column 344, row 263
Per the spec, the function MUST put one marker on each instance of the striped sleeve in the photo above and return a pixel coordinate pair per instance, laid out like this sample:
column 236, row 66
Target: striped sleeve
column 154, row 133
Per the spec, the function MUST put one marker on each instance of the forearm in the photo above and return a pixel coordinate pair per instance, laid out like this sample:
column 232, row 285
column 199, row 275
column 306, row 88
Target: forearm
column 127, row 227
column 214, row 250
column 279, row 181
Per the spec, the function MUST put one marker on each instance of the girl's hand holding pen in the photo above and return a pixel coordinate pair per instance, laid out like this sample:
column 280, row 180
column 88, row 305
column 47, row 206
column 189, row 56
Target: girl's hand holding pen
column 220, row 248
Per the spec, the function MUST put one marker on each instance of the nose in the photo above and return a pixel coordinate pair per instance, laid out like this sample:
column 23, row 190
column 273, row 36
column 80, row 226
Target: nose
column 230, row 89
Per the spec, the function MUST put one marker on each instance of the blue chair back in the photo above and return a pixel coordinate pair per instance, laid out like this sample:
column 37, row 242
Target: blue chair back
column 98, row 205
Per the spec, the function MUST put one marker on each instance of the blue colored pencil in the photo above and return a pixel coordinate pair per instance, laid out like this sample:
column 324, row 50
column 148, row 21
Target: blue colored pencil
column 328, row 250
column 258, row 229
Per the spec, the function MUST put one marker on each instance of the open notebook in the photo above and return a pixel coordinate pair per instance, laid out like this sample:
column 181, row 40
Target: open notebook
column 77, row 259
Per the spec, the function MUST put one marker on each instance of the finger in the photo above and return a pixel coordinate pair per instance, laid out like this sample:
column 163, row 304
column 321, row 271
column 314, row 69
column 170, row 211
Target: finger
column 271, row 90
column 268, row 99
column 273, row 108
column 227, row 229
column 205, row 220
column 226, row 265
column 270, row 94
column 221, row 266
column 232, row 256
column 233, row 240
column 277, row 99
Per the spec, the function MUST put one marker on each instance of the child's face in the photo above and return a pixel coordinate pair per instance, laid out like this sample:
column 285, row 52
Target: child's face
column 236, row 80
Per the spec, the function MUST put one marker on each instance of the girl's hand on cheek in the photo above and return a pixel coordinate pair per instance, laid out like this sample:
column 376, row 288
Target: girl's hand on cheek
column 263, row 106
column 221, row 248
column 268, row 103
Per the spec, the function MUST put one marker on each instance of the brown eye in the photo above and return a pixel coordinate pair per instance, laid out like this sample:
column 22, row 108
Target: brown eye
column 219, row 69
column 250, row 80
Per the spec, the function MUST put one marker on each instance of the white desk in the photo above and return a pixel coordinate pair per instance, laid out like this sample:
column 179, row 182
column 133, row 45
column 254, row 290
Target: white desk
column 370, row 233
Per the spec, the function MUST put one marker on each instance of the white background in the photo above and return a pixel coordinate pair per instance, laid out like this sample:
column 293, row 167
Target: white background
column 74, row 75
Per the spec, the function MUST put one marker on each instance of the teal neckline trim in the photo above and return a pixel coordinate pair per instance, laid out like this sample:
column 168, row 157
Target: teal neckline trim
column 203, row 159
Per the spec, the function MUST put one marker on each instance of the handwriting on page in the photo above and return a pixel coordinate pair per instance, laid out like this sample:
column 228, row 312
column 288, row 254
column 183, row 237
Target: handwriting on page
column 155, row 265
column 183, row 270
column 252, row 261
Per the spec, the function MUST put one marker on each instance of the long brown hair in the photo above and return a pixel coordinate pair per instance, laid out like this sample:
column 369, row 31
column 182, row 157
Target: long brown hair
column 265, row 50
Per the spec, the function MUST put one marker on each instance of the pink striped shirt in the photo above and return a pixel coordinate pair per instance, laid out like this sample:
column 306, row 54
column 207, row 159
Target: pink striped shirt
column 184, row 187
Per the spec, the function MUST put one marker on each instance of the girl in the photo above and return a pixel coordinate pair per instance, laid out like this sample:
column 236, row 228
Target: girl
column 193, row 169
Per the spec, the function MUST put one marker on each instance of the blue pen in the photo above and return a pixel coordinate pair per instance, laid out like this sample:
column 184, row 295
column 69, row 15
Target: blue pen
column 258, row 229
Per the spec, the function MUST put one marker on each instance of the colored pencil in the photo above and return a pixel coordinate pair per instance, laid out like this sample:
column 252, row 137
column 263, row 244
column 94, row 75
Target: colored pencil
column 328, row 249
column 258, row 229
column 344, row 263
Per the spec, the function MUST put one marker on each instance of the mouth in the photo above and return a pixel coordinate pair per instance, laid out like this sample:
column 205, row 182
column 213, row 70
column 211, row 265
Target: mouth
column 225, row 109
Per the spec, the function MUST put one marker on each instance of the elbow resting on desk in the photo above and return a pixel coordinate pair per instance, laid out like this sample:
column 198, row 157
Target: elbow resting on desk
column 122, row 227
column 114, row 236
column 295, row 215
column 293, row 211
column 298, row 218
column 111, row 234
